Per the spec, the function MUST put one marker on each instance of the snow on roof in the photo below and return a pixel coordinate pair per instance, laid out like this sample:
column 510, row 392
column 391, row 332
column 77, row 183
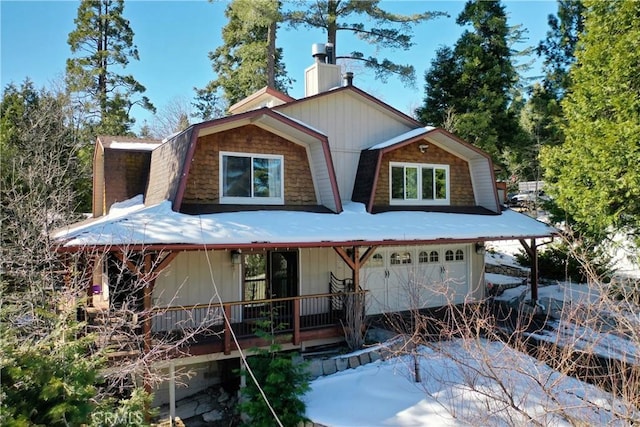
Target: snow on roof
column 403, row 137
column 140, row 146
column 136, row 224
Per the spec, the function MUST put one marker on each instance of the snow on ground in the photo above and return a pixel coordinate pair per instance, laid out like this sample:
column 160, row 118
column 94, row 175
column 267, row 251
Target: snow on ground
column 588, row 322
column 472, row 386
column 460, row 386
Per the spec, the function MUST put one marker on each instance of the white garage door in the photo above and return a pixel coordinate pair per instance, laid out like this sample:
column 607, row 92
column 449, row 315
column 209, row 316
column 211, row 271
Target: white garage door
column 407, row 278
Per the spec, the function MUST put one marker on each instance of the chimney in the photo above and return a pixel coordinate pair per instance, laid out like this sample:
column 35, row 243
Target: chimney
column 322, row 75
column 347, row 78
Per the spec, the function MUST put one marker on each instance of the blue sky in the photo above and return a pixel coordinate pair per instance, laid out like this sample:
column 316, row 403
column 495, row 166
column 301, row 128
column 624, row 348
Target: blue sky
column 174, row 39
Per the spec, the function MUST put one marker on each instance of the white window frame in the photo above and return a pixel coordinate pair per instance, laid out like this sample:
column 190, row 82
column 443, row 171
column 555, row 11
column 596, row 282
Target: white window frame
column 251, row 200
column 419, row 200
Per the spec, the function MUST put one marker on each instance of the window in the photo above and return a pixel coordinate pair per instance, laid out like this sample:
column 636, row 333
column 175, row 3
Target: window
column 376, row 261
column 251, row 178
column 459, row 255
column 423, row 184
column 423, row 257
column 397, row 258
column 434, row 256
column 448, row 256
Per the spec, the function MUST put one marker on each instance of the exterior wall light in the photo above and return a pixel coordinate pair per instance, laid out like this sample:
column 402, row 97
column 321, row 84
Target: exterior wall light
column 423, row 147
column 480, row 249
column 236, row 257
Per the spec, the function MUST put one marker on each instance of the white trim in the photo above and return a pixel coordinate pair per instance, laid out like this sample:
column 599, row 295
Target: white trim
column 251, row 200
column 419, row 201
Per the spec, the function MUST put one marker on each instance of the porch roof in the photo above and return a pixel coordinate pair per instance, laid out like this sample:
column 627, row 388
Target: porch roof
column 132, row 224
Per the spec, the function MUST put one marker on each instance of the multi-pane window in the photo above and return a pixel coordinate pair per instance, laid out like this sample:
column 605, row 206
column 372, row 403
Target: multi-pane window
column 434, row 256
column 251, row 178
column 400, row 258
column 423, row 257
column 414, row 183
column 448, row 255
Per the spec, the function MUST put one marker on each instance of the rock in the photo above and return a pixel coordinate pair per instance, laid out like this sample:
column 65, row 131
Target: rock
column 224, row 396
column 212, row 416
column 328, row 367
column 354, row 362
column 342, row 364
column 375, row 355
column 315, row 368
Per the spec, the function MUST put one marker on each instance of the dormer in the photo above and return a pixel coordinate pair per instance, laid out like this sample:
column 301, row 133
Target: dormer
column 257, row 160
column 120, row 170
column 425, row 169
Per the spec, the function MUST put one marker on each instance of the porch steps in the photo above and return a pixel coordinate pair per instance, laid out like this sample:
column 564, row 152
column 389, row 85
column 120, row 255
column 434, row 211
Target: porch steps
column 117, row 333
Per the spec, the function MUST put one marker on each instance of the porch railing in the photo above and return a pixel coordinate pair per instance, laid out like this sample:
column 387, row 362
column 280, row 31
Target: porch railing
column 288, row 315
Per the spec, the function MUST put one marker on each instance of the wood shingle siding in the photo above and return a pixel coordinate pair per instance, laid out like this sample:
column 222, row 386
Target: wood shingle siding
column 167, row 162
column 204, row 179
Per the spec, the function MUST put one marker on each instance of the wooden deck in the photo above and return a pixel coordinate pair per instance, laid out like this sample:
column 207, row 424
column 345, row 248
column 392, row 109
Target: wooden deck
column 215, row 328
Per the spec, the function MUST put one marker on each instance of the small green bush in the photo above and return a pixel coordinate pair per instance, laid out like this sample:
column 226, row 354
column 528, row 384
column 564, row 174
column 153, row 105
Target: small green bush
column 282, row 380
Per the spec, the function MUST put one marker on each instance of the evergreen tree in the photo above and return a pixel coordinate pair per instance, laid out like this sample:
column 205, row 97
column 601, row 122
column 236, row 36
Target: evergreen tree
column 387, row 30
column 594, row 174
column 248, row 60
column 559, row 46
column 477, row 82
column 542, row 116
column 278, row 381
column 102, row 42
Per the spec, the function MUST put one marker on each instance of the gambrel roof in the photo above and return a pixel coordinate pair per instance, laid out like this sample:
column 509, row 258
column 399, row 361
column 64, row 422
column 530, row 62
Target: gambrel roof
column 171, row 162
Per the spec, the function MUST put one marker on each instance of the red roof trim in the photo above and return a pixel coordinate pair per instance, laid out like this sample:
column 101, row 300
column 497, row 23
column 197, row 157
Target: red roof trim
column 299, row 245
column 360, row 92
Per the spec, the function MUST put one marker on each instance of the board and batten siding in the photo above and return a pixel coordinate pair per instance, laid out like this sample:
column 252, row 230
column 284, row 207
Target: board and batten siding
column 188, row 280
column 316, row 266
column 352, row 124
column 483, row 185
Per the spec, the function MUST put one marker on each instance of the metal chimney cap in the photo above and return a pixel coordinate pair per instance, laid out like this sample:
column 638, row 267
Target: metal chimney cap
column 318, row 49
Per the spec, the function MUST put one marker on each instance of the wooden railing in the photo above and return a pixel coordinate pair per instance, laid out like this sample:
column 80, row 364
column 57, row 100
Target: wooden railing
column 288, row 315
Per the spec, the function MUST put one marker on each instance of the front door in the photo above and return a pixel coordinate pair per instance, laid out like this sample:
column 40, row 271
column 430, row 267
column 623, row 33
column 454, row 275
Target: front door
column 283, row 283
column 269, row 275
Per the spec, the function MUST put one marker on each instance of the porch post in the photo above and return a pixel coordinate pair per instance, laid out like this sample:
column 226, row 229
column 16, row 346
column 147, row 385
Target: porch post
column 227, row 329
column 146, row 301
column 534, row 272
column 532, row 250
column 296, row 321
column 172, row 392
column 356, row 269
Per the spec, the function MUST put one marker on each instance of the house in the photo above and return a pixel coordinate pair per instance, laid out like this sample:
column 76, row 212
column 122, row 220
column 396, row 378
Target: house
column 293, row 204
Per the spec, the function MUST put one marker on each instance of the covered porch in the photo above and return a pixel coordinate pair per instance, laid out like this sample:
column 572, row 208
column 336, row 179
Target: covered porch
column 227, row 326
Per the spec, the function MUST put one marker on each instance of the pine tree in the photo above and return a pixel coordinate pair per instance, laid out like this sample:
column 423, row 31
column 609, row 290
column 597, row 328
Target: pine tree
column 594, row 174
column 248, row 60
column 387, row 31
column 476, row 81
column 559, row 46
column 101, row 42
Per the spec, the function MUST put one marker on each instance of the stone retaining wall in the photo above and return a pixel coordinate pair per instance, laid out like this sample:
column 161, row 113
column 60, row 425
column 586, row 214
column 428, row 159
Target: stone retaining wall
column 507, row 270
column 327, row 366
